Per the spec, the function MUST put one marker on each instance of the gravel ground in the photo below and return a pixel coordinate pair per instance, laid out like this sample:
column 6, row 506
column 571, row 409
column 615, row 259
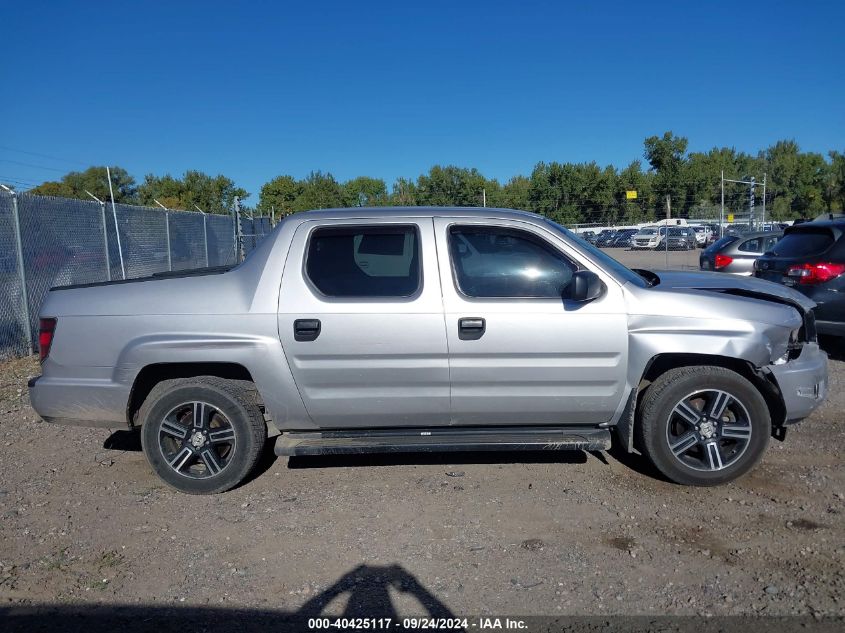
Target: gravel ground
column 465, row 534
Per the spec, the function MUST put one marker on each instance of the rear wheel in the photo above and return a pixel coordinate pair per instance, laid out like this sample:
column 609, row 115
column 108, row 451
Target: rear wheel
column 202, row 435
column 703, row 426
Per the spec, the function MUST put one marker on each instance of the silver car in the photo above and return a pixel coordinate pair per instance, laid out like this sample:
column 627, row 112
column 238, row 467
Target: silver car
column 431, row 329
column 737, row 253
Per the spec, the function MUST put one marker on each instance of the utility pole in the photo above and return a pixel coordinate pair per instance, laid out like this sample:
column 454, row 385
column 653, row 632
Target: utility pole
column 666, row 234
column 751, row 183
column 751, row 203
column 722, row 211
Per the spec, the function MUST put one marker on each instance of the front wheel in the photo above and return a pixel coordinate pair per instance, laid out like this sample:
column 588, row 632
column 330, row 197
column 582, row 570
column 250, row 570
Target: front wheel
column 202, row 435
column 703, row 426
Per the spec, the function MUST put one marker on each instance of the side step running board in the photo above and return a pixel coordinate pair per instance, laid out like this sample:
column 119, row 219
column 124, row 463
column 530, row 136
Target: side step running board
column 442, row 439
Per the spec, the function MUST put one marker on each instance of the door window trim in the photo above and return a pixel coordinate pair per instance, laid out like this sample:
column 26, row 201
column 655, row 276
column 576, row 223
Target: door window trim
column 365, row 298
column 507, row 227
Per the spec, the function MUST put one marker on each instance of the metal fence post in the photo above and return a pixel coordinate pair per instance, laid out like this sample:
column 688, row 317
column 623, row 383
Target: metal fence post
column 21, row 272
column 167, row 234
column 106, row 241
column 205, row 238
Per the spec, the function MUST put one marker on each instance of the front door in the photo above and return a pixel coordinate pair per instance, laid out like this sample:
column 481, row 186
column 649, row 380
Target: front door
column 519, row 352
column 367, row 341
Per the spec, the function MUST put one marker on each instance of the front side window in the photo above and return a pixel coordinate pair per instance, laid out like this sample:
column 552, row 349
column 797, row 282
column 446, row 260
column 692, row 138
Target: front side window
column 364, row 261
column 501, row 262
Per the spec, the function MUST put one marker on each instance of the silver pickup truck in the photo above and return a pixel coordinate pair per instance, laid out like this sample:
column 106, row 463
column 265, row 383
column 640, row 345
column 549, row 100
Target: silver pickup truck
column 431, row 329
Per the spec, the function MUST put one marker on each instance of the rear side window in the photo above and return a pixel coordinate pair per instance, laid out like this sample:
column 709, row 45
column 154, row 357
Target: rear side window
column 721, row 243
column 501, row 262
column 754, row 245
column 364, row 261
column 804, row 243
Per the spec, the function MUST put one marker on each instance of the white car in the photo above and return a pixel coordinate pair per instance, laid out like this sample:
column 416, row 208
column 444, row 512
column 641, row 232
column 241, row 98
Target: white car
column 649, row 237
column 702, row 235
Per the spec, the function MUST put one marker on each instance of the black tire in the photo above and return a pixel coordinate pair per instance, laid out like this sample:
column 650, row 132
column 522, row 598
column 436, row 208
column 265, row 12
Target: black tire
column 725, row 448
column 230, row 410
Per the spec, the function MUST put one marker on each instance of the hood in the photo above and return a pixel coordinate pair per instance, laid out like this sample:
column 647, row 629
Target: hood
column 733, row 284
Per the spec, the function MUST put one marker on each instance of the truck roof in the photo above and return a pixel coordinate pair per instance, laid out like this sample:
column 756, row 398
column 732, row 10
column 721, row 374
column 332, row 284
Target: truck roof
column 416, row 212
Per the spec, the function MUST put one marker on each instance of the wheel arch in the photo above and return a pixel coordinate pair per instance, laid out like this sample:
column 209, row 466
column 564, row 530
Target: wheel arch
column 659, row 364
column 153, row 374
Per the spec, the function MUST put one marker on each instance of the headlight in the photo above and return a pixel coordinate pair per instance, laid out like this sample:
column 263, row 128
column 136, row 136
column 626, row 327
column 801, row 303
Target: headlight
column 793, row 348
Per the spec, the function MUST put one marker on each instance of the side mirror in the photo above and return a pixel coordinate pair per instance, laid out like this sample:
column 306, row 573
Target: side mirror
column 585, row 286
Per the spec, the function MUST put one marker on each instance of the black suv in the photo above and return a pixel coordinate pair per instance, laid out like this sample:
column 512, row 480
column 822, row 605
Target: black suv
column 811, row 258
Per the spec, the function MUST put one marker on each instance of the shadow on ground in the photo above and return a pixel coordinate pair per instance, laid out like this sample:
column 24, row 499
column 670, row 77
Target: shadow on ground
column 439, row 458
column 363, row 592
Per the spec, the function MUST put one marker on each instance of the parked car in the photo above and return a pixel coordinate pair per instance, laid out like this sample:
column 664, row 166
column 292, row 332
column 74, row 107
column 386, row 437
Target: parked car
column 811, row 259
column 715, row 234
column 736, row 254
column 680, row 238
column 330, row 338
column 702, row 235
column 623, row 238
column 649, row 237
column 606, row 238
column 589, row 236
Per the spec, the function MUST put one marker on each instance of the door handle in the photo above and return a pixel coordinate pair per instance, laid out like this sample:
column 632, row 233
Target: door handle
column 471, row 328
column 306, row 329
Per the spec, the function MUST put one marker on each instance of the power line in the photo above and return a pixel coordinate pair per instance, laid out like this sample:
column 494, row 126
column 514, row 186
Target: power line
column 17, row 162
column 48, row 156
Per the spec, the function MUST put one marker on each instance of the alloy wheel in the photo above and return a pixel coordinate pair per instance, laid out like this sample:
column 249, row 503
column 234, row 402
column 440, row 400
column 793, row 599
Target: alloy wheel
column 196, row 440
column 708, row 430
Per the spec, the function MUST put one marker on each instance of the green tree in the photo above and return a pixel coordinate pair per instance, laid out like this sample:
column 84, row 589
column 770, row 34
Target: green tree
column 666, row 155
column 835, row 182
column 365, row 192
column 515, row 194
column 450, row 186
column 278, row 195
column 555, row 192
column 404, row 193
column 641, row 208
column 212, row 194
column 319, row 191
column 94, row 179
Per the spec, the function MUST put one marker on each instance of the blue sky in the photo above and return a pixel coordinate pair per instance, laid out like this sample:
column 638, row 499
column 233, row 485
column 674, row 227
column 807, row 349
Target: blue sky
column 254, row 90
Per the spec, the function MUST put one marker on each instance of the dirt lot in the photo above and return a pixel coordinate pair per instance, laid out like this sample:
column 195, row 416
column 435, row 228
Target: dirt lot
column 466, row 534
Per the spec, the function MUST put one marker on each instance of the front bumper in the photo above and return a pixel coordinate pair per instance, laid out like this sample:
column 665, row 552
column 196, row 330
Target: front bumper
column 803, row 382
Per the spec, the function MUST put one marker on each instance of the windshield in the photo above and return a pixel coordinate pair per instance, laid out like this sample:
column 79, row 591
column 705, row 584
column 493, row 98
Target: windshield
column 648, row 231
column 618, row 269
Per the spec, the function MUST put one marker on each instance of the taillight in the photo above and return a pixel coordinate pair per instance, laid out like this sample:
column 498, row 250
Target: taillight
column 46, row 329
column 722, row 261
column 815, row 273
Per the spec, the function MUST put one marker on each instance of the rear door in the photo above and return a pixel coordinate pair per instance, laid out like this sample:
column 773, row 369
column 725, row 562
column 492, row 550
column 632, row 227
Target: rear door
column 519, row 353
column 361, row 323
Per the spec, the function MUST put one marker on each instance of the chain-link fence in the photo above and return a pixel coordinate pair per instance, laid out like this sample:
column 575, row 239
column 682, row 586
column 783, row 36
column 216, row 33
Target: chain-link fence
column 47, row 242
